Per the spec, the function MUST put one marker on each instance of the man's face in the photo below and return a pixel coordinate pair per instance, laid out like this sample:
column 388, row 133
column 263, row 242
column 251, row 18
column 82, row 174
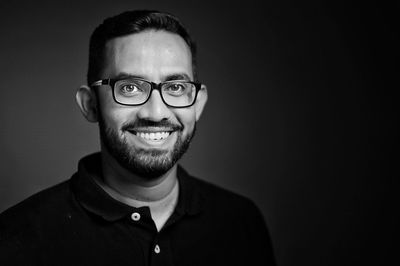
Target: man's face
column 150, row 138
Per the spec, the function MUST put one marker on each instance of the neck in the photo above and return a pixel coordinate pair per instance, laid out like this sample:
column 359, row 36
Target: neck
column 133, row 186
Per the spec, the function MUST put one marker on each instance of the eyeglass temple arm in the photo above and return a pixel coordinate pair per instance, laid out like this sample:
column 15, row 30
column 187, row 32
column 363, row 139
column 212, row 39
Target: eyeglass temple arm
column 101, row 82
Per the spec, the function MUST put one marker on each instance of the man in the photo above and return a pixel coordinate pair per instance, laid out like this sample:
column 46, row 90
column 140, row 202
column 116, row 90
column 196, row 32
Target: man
column 132, row 204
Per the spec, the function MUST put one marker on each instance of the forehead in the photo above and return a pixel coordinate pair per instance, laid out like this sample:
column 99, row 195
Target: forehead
column 151, row 54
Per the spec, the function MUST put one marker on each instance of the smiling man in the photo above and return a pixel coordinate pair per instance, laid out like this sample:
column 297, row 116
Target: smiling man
column 131, row 203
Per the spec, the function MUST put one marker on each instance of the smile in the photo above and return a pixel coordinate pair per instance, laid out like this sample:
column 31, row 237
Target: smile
column 153, row 136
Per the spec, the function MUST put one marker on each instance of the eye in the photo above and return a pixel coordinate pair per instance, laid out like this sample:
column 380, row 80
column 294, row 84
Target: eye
column 129, row 89
column 176, row 88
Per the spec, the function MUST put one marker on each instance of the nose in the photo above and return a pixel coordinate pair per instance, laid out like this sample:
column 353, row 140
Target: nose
column 154, row 109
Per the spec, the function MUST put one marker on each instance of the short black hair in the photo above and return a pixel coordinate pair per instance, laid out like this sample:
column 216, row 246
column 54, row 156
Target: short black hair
column 131, row 22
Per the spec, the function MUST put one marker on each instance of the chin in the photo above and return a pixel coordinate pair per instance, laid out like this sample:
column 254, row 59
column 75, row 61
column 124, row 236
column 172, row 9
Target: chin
column 148, row 163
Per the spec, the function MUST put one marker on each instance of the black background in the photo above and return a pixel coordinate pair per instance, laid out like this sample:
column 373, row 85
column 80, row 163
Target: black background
column 301, row 115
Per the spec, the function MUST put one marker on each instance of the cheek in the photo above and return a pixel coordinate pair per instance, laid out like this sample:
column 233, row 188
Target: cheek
column 115, row 116
column 186, row 117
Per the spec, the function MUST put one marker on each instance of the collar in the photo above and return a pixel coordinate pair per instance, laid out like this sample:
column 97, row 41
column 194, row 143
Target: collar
column 94, row 199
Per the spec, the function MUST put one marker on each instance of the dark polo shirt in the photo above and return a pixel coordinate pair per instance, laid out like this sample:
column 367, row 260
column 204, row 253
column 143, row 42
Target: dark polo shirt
column 77, row 223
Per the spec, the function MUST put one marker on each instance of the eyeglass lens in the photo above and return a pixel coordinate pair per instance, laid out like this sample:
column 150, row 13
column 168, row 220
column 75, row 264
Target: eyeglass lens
column 135, row 92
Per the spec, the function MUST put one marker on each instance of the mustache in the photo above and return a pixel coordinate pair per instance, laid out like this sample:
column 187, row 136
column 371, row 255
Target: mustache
column 143, row 123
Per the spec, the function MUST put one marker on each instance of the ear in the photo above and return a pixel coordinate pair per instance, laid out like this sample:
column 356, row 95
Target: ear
column 201, row 100
column 86, row 99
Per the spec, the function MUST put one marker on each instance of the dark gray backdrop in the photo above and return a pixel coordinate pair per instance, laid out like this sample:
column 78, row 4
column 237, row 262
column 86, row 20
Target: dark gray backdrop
column 300, row 115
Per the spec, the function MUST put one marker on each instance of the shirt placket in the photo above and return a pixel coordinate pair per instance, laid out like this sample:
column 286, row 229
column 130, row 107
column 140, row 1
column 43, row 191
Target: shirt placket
column 155, row 244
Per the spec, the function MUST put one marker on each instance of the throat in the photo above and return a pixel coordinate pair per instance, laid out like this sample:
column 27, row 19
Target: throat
column 160, row 209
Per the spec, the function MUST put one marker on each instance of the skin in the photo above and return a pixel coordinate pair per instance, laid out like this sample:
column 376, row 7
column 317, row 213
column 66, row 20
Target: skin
column 156, row 56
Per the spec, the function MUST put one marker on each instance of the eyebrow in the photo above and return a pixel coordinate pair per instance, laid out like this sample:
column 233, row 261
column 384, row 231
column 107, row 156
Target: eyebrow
column 182, row 76
column 178, row 76
column 124, row 75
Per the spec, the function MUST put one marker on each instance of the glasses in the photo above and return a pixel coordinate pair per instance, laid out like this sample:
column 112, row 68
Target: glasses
column 135, row 91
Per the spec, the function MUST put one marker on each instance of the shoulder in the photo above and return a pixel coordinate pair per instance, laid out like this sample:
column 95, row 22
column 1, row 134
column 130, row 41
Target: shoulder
column 22, row 226
column 218, row 192
column 227, row 214
column 44, row 199
column 222, row 200
column 46, row 203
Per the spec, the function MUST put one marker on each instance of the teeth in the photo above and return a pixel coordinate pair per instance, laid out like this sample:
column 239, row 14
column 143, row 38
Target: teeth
column 153, row 136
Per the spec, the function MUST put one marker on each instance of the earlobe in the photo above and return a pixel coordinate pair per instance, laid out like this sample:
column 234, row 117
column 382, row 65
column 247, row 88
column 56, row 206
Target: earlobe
column 86, row 100
column 201, row 101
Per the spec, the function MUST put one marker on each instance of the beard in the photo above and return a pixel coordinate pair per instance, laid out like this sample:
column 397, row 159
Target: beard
column 147, row 163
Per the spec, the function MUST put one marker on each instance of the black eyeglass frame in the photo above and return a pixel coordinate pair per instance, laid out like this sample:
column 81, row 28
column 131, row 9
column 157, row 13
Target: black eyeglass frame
column 154, row 86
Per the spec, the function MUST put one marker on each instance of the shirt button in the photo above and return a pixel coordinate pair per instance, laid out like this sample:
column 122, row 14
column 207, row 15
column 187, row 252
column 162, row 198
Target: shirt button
column 157, row 249
column 135, row 216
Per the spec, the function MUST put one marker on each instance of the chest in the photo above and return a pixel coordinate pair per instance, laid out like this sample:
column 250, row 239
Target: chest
column 186, row 241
